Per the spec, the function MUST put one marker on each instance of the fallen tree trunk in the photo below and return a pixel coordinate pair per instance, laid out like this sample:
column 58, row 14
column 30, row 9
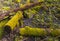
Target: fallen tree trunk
column 13, row 22
column 29, row 31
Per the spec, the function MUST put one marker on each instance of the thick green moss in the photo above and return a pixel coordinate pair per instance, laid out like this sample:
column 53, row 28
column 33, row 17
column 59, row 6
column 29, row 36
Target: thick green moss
column 2, row 24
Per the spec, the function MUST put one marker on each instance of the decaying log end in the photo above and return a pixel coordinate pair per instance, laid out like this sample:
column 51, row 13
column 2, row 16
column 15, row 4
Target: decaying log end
column 7, row 29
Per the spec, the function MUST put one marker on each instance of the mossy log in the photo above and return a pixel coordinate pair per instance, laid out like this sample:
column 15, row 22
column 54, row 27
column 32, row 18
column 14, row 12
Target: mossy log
column 10, row 25
column 29, row 31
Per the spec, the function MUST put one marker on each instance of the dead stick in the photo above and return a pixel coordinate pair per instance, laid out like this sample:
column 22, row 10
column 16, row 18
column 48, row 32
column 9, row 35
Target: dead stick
column 26, row 6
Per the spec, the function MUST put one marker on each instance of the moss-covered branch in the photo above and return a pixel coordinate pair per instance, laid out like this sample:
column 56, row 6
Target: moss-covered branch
column 13, row 22
column 29, row 31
